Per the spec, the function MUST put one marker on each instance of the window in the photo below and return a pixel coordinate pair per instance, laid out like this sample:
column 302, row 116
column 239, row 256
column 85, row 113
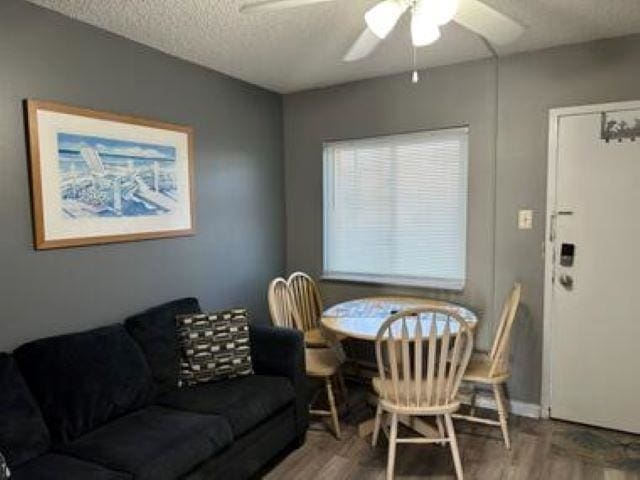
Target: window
column 395, row 209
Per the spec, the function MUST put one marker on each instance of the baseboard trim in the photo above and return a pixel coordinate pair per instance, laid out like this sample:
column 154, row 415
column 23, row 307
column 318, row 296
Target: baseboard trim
column 516, row 407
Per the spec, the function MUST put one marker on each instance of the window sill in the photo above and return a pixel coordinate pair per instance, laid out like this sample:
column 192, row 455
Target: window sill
column 393, row 281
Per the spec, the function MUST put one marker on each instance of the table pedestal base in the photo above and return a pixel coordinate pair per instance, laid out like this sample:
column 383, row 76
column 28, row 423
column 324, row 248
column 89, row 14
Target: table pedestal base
column 420, row 426
column 365, row 428
column 417, row 424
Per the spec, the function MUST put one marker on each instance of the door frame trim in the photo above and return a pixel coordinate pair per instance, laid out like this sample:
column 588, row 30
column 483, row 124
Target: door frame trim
column 555, row 114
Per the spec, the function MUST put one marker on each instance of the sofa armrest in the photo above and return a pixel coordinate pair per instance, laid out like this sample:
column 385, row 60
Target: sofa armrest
column 280, row 351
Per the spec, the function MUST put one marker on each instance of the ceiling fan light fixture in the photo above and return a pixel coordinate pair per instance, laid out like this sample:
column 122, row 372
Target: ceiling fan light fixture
column 383, row 17
column 440, row 12
column 423, row 31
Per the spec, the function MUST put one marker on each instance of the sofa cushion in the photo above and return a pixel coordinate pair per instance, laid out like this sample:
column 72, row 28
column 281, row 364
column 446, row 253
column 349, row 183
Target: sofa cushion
column 155, row 332
column 83, row 380
column 154, row 443
column 214, row 346
column 61, row 467
column 245, row 402
column 251, row 455
column 23, row 433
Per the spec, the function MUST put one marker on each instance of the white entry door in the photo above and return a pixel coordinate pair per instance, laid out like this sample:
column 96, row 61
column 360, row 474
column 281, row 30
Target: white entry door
column 595, row 281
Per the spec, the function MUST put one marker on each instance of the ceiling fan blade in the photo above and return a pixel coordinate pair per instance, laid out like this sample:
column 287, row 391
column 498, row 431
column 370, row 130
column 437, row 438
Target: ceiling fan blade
column 362, row 47
column 272, row 5
column 484, row 20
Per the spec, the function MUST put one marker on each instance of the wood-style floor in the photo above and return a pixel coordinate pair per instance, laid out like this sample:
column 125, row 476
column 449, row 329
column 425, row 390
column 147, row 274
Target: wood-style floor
column 542, row 449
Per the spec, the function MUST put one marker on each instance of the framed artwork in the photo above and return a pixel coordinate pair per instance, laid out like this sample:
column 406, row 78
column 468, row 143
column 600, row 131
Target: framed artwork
column 99, row 177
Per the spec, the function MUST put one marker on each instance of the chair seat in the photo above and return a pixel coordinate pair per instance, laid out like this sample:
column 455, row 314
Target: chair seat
column 380, row 386
column 321, row 362
column 478, row 371
column 314, row 338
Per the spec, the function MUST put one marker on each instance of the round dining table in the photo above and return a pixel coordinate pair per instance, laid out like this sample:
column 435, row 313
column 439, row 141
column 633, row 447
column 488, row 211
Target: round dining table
column 362, row 318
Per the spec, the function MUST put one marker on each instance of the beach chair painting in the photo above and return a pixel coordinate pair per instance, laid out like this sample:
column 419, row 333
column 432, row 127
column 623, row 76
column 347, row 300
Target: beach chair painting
column 99, row 177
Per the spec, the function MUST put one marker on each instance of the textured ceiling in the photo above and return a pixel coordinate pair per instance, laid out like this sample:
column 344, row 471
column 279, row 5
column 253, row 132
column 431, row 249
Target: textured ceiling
column 302, row 48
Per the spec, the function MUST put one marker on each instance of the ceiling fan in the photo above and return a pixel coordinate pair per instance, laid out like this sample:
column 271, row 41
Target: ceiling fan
column 427, row 16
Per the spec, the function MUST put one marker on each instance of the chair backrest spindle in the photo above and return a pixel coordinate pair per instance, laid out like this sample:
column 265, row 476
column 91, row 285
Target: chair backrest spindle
column 406, row 362
column 418, row 361
column 442, row 381
column 393, row 363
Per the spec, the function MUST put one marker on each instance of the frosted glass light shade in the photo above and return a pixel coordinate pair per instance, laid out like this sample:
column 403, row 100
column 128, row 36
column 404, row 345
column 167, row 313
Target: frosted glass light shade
column 423, row 31
column 383, row 16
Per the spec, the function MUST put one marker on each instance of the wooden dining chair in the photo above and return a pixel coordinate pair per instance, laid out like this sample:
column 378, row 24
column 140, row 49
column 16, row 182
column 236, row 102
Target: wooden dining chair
column 321, row 363
column 493, row 368
column 309, row 304
column 306, row 298
column 420, row 367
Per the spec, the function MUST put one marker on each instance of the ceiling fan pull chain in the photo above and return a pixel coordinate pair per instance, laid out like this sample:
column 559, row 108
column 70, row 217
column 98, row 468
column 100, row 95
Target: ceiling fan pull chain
column 415, row 77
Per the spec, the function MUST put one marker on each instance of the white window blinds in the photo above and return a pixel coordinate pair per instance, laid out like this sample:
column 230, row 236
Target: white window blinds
column 395, row 209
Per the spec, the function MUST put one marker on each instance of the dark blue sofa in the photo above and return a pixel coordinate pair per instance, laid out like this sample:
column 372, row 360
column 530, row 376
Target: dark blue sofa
column 103, row 405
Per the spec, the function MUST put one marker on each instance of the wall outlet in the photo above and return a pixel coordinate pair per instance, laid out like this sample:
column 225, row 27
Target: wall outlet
column 525, row 219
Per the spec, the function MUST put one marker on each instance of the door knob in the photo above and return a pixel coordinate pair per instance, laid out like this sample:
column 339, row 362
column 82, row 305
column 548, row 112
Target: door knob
column 566, row 281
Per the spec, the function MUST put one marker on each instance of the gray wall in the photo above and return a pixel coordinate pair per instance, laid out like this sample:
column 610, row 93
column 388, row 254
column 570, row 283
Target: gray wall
column 239, row 181
column 529, row 85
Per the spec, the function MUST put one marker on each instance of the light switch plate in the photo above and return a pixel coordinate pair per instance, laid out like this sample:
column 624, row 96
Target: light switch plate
column 525, row 219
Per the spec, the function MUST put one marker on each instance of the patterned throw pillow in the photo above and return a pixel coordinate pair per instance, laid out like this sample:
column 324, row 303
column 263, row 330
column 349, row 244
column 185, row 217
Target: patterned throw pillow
column 4, row 469
column 214, row 346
